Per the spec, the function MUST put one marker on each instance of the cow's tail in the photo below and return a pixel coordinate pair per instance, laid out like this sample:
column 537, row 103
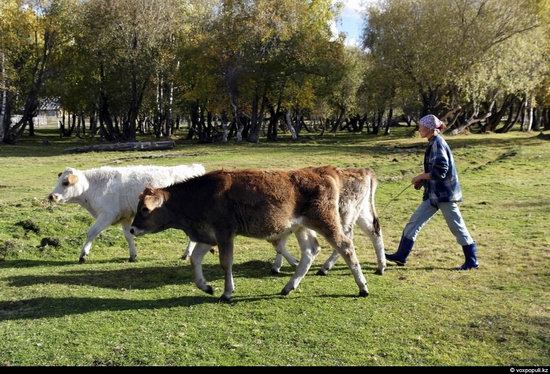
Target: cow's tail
column 375, row 221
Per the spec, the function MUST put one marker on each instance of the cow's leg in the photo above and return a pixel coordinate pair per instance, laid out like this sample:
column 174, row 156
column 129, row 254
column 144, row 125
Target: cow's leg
column 329, row 263
column 101, row 223
column 309, row 248
column 278, row 262
column 196, row 261
column 126, row 226
column 188, row 250
column 345, row 247
column 280, row 248
column 226, row 261
column 374, row 232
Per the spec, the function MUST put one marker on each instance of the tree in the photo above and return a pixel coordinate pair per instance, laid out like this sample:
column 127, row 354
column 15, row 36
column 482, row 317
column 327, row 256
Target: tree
column 438, row 46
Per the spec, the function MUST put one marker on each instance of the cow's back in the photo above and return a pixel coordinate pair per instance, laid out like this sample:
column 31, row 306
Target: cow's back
column 256, row 203
column 118, row 189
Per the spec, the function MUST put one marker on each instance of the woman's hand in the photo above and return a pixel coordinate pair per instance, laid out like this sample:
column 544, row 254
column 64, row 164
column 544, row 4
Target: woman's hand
column 418, row 181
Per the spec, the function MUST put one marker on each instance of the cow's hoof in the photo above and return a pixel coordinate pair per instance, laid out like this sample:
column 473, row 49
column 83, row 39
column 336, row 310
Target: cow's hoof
column 209, row 290
column 82, row 260
column 294, row 263
column 224, row 299
column 275, row 271
column 285, row 291
column 363, row 293
column 379, row 272
column 185, row 258
column 322, row 272
column 132, row 259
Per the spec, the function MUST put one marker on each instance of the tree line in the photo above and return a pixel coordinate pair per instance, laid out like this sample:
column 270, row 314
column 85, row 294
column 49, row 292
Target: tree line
column 246, row 69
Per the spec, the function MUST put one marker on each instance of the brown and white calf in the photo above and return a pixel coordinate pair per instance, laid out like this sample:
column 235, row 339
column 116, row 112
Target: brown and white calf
column 356, row 206
column 266, row 204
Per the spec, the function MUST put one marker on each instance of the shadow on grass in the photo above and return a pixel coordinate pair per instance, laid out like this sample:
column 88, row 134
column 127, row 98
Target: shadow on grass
column 389, row 267
column 33, row 147
column 140, row 277
column 393, row 267
column 47, row 307
column 6, row 264
column 51, row 307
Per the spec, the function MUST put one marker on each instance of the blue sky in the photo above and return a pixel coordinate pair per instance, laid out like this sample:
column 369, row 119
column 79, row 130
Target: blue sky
column 351, row 21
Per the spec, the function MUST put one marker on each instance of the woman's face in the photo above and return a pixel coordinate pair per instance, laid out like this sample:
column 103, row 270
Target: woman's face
column 425, row 132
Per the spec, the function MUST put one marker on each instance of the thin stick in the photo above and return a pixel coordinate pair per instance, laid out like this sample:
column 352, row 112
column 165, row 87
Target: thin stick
column 395, row 198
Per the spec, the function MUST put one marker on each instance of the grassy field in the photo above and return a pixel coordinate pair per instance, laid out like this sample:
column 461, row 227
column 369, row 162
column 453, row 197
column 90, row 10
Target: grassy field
column 108, row 311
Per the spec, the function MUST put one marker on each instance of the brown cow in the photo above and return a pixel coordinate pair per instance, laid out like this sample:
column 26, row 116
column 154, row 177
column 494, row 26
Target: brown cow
column 356, row 205
column 265, row 204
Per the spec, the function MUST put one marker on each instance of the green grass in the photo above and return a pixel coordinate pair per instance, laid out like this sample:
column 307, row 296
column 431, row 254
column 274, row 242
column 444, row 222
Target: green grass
column 54, row 311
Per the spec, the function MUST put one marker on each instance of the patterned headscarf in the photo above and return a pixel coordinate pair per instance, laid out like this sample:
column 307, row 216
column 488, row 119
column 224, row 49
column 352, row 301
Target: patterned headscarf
column 430, row 121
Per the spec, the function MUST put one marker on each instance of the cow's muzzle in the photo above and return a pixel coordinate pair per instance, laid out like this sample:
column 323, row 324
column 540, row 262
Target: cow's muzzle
column 135, row 231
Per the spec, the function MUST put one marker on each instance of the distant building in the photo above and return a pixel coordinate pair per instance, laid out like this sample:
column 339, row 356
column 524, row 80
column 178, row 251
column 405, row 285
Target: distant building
column 49, row 110
column 49, row 107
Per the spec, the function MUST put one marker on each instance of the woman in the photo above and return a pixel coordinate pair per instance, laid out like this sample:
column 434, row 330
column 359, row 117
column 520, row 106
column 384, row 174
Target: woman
column 441, row 192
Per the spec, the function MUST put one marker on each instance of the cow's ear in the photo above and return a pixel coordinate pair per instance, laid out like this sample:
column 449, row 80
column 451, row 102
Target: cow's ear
column 72, row 179
column 149, row 192
column 152, row 202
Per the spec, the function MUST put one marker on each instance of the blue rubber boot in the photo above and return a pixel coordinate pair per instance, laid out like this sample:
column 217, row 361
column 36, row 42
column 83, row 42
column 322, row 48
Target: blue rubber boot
column 403, row 251
column 470, row 256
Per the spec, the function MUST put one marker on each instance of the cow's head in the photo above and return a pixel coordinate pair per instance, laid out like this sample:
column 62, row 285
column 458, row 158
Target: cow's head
column 71, row 183
column 152, row 216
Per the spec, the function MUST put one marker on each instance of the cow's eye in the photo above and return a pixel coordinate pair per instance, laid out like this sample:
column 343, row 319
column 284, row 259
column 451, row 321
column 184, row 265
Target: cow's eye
column 66, row 183
column 144, row 210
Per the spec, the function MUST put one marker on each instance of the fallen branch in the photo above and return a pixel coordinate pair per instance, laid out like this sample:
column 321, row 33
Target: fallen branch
column 130, row 146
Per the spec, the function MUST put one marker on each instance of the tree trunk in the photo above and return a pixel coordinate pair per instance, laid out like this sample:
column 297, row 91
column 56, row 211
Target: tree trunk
column 273, row 123
column 338, row 120
column 494, row 120
column 225, row 127
column 472, row 120
column 511, row 121
column 256, row 118
column 93, row 124
column 544, row 120
column 31, row 103
column 3, row 103
column 290, row 128
column 377, row 121
column 169, row 110
column 388, row 121
column 524, row 114
column 529, row 109
column 536, row 118
column 106, row 122
column 6, row 122
column 430, row 101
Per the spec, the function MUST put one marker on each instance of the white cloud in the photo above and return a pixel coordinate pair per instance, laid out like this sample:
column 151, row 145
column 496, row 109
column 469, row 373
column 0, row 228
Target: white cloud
column 352, row 42
column 357, row 6
column 354, row 5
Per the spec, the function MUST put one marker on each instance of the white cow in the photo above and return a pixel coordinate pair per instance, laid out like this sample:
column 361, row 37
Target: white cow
column 111, row 194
